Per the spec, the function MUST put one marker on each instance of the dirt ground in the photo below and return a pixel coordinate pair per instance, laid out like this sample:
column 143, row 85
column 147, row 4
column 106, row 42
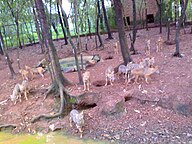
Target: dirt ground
column 141, row 122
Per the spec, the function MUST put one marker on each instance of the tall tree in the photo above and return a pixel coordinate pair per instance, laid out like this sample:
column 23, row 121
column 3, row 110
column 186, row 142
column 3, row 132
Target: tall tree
column 40, row 37
column 2, row 45
column 179, row 21
column 15, row 15
column 146, row 20
column 159, row 4
column 124, row 16
column 106, row 20
column 121, row 31
column 98, row 12
column 139, row 6
column 78, row 36
column 133, row 39
column 1, row 50
column 59, row 80
column 71, row 42
column 61, row 23
column 88, row 19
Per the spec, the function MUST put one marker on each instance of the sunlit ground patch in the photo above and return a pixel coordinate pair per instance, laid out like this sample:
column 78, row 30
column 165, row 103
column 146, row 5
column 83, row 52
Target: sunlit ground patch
column 51, row 138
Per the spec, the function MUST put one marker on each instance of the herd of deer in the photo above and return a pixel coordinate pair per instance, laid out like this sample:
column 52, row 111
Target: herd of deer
column 145, row 68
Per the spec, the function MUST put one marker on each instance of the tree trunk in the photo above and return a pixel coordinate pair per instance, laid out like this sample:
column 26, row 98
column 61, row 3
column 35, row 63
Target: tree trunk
column 18, row 34
column 28, row 33
column 32, row 31
column 15, row 17
column 88, row 20
column 73, row 46
column 55, row 28
column 7, row 56
column 40, row 37
column 61, row 23
column 159, row 5
column 134, row 28
column 58, row 76
column 124, row 17
column 146, row 20
column 78, row 36
column 121, row 32
column 59, row 80
column 178, row 26
column 1, row 49
column 97, row 24
column 22, row 34
column 140, row 13
column 18, row 40
column 160, row 11
column 106, row 20
column 168, row 29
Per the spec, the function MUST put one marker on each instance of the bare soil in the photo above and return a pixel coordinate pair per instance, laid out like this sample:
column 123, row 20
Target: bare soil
column 144, row 120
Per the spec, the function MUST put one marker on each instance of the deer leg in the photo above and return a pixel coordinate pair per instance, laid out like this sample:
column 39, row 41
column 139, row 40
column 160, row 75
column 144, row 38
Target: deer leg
column 70, row 121
column 88, row 84
column 84, row 85
column 106, row 81
column 25, row 93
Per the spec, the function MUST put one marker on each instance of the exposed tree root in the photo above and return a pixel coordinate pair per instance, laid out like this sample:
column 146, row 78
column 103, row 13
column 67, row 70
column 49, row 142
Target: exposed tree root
column 51, row 89
column 45, row 116
column 63, row 102
column 109, row 38
column 177, row 54
column 8, row 126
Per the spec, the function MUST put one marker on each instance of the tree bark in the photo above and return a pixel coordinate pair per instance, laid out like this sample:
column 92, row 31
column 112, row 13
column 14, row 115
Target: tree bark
column 140, row 13
column 88, row 19
column 159, row 5
column 16, row 18
column 13, row 74
column 134, row 28
column 40, row 37
column 146, row 20
column 1, row 50
column 55, row 28
column 168, row 29
column 97, row 24
column 106, row 20
column 121, row 32
column 72, row 44
column 59, row 80
column 178, row 26
column 49, row 43
column 78, row 36
column 61, row 23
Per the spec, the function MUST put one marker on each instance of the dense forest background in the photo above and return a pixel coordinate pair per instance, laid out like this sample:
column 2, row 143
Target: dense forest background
column 19, row 24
